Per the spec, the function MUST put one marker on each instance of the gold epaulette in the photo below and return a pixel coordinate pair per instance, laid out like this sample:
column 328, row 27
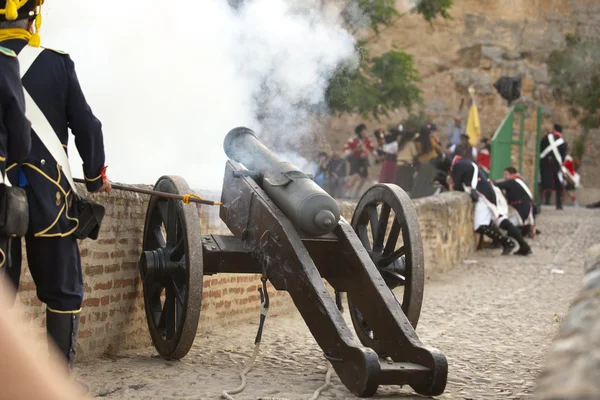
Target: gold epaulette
column 7, row 52
column 57, row 51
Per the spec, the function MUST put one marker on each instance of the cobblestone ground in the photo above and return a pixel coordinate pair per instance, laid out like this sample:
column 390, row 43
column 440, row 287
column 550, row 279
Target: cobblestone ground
column 493, row 317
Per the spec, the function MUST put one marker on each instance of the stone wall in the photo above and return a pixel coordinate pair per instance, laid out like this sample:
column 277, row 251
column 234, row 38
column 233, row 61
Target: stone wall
column 113, row 317
column 484, row 40
column 572, row 369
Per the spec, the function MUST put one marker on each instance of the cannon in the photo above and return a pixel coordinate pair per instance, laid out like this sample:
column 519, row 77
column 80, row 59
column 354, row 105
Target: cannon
column 288, row 229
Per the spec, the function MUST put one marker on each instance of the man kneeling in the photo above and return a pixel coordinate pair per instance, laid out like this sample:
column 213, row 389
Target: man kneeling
column 466, row 176
column 520, row 198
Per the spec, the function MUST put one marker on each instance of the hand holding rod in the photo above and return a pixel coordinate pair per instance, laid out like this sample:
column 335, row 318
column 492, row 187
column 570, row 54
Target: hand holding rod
column 188, row 198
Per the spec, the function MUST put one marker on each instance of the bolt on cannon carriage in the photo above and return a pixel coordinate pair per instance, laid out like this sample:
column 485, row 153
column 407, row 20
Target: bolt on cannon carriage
column 287, row 228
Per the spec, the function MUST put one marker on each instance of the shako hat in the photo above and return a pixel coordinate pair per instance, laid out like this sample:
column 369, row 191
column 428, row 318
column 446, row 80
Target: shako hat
column 15, row 10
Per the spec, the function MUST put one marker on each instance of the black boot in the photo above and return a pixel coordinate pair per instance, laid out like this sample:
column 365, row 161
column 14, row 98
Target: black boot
column 515, row 233
column 548, row 196
column 494, row 245
column 494, row 233
column 527, row 230
column 559, row 194
column 63, row 330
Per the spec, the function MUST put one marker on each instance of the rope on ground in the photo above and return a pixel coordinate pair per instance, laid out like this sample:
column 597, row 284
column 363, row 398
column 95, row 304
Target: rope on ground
column 317, row 392
column 264, row 309
column 250, row 363
column 325, row 386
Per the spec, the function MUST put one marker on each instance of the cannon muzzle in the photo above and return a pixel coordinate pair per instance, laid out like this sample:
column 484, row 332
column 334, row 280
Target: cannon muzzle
column 309, row 207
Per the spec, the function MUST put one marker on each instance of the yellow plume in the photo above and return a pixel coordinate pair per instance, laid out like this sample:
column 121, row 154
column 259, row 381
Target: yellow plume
column 35, row 40
column 12, row 11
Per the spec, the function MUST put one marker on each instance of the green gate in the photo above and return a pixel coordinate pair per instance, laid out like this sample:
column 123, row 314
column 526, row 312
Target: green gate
column 510, row 134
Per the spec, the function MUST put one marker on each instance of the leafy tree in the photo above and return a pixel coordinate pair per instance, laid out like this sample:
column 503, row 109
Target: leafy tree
column 378, row 84
column 414, row 122
column 431, row 9
column 575, row 72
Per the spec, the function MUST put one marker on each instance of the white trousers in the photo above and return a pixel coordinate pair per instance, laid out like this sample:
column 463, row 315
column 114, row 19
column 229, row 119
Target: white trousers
column 517, row 220
column 486, row 212
column 483, row 214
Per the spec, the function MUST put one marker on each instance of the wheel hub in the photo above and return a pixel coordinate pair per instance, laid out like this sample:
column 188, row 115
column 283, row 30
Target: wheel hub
column 155, row 264
column 394, row 272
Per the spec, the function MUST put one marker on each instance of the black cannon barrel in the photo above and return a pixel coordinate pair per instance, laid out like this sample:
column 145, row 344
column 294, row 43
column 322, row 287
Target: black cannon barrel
column 305, row 203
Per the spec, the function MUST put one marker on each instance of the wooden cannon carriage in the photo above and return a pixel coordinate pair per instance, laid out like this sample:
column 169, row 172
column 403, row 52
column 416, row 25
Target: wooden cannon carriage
column 297, row 245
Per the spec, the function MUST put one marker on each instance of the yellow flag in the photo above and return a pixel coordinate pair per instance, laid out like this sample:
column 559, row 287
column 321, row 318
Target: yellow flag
column 473, row 126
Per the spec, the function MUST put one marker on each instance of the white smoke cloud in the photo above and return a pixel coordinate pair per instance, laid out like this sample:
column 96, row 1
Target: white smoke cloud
column 168, row 80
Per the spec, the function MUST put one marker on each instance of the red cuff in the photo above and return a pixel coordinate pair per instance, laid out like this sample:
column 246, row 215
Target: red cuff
column 103, row 173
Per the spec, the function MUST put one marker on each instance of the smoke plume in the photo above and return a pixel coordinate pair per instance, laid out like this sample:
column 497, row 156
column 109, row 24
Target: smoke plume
column 168, row 80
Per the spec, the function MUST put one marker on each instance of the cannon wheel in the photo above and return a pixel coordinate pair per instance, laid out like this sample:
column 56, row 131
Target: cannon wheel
column 372, row 215
column 171, row 270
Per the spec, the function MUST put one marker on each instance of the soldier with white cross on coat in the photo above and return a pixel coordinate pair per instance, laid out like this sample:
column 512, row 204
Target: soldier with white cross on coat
column 553, row 151
column 55, row 104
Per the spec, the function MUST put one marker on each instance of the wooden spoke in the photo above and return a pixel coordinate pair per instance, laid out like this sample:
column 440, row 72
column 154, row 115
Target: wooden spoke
column 382, row 224
column 384, row 262
column 392, row 240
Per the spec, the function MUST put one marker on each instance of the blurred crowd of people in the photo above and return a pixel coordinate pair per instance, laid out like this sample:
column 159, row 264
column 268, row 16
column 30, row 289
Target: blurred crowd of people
column 423, row 164
column 407, row 156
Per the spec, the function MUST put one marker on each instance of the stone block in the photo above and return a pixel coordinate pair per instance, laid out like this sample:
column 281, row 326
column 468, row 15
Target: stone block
column 494, row 53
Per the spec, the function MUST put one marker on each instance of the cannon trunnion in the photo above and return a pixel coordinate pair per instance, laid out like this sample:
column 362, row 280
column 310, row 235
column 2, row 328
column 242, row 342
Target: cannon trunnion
column 365, row 259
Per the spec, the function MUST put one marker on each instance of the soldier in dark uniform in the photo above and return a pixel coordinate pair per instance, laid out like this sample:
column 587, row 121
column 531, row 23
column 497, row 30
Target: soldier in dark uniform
column 520, row 198
column 553, row 151
column 488, row 218
column 15, row 129
column 52, row 251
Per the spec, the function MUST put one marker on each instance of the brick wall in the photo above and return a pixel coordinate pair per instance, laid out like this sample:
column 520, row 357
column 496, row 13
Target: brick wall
column 113, row 317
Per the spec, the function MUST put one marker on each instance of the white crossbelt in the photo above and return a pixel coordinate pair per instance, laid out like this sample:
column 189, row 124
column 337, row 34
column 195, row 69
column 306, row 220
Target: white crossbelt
column 4, row 180
column 475, row 176
column 501, row 207
column 39, row 122
column 553, row 147
column 524, row 186
column 493, row 207
column 474, row 180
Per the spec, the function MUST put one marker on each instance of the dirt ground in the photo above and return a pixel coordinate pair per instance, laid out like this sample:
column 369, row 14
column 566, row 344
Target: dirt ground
column 493, row 317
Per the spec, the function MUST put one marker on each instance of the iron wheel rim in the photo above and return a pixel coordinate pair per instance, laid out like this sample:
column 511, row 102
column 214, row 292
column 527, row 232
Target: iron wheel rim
column 372, row 215
column 171, row 262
